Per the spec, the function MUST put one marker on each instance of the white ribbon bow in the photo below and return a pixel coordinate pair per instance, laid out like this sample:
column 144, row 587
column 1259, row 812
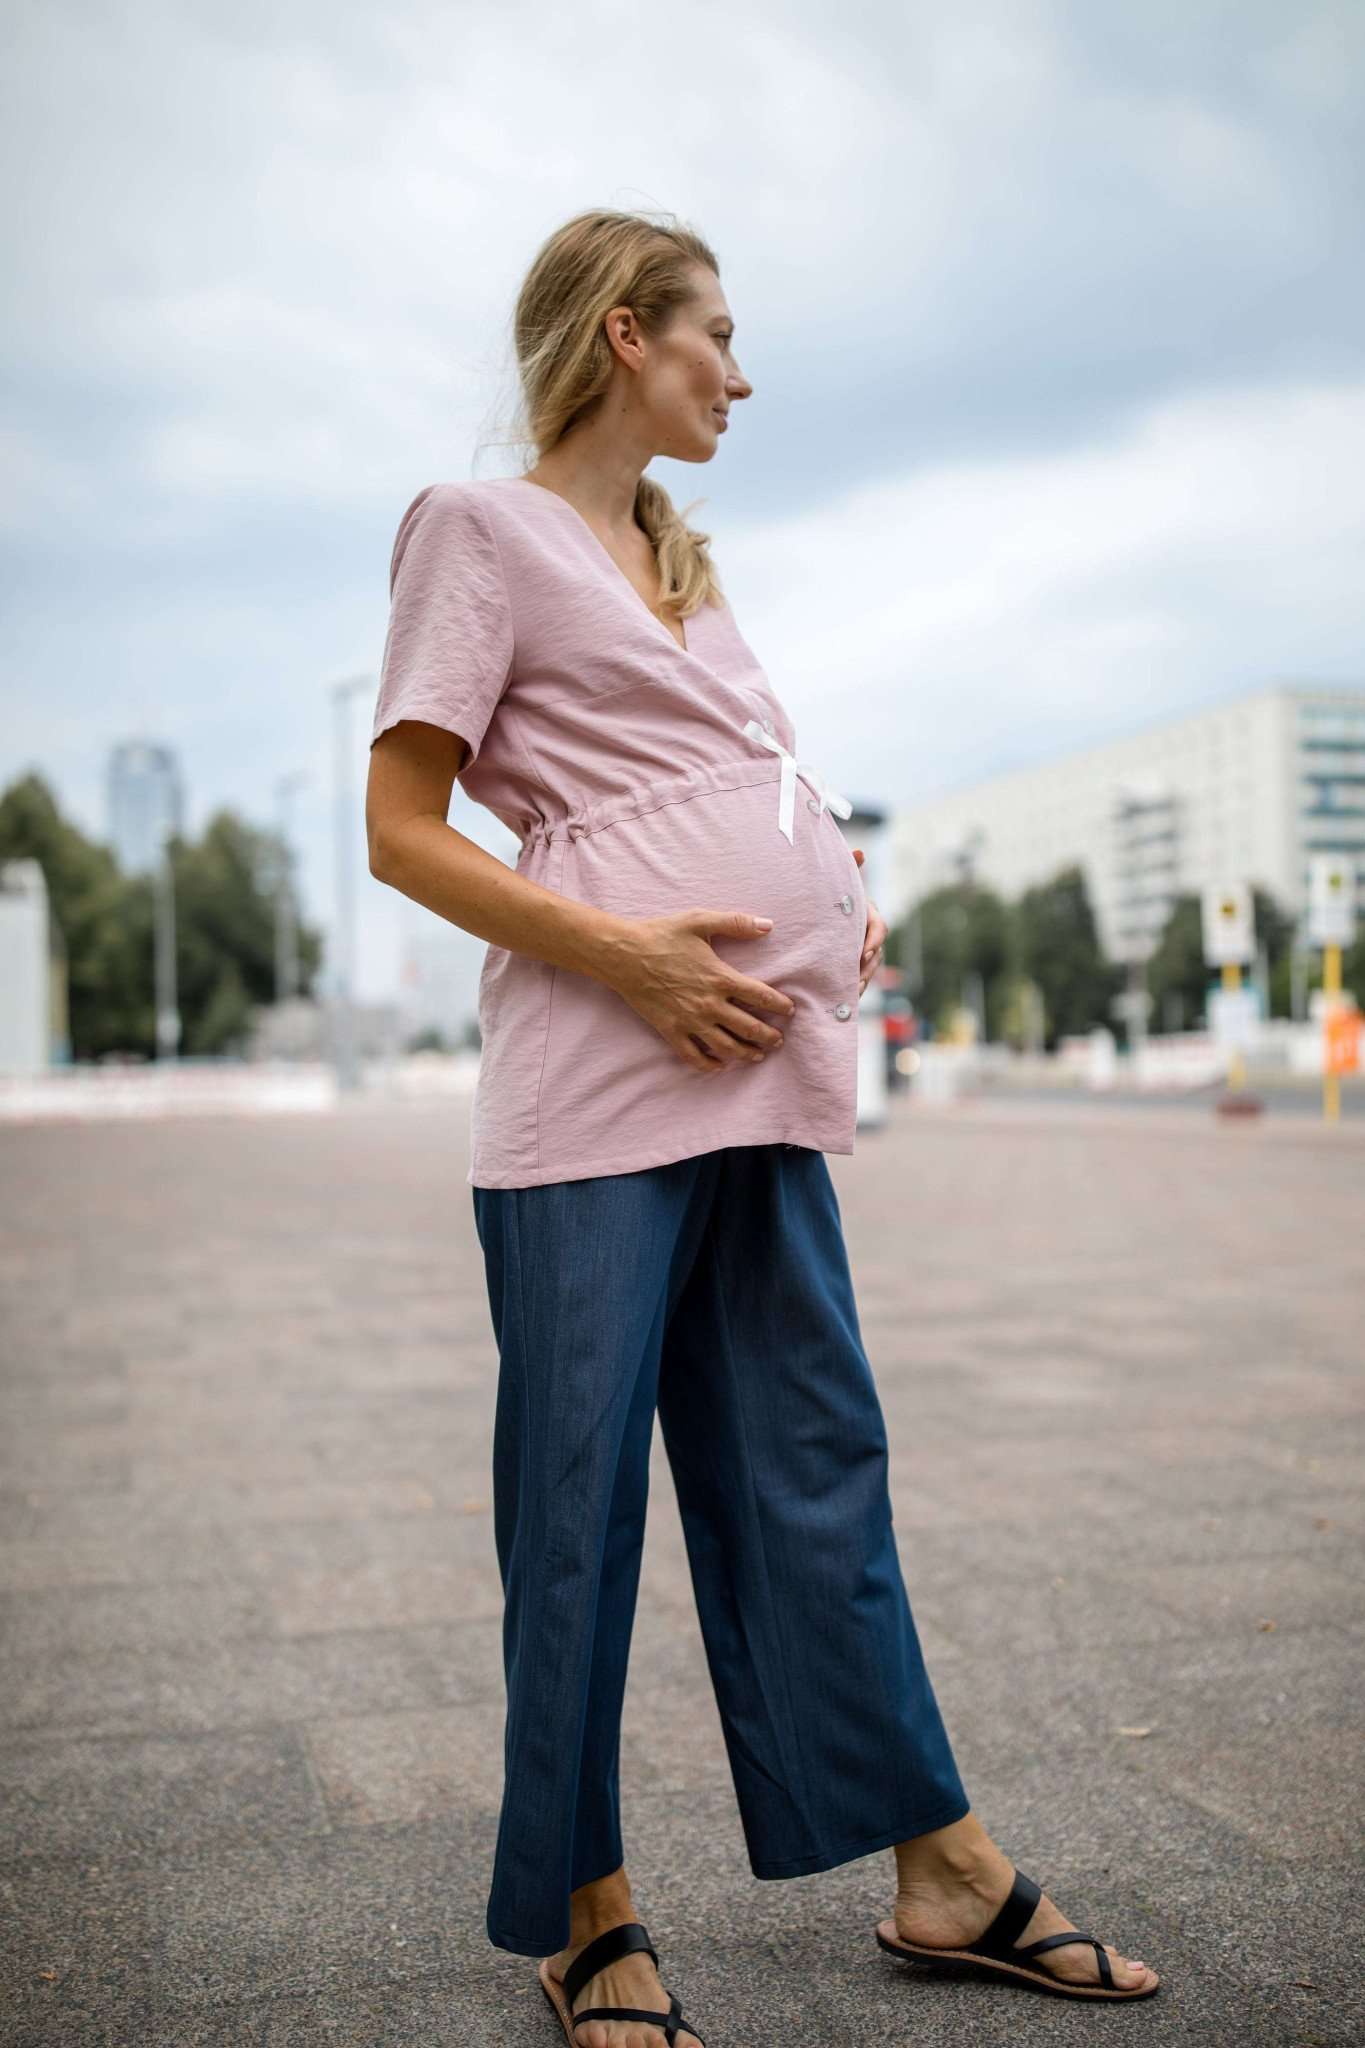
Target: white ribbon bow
column 830, row 799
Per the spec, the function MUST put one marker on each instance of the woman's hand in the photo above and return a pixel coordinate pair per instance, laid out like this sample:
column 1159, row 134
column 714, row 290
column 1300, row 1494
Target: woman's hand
column 669, row 973
column 874, row 938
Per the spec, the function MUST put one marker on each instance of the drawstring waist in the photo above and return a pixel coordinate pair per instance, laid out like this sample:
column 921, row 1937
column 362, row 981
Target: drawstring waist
column 714, row 779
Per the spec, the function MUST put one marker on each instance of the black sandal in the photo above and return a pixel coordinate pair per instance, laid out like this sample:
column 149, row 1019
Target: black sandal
column 994, row 1953
column 617, row 1941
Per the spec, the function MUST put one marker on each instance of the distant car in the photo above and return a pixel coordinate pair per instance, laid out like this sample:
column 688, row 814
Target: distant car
column 901, row 1027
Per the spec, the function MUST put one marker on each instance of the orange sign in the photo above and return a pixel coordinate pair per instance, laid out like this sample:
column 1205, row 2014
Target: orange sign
column 1342, row 1040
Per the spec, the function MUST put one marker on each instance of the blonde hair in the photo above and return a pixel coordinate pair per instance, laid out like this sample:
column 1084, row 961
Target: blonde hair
column 595, row 261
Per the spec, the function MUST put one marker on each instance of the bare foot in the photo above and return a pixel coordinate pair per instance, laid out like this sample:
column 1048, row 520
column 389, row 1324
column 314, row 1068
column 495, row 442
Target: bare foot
column 951, row 1885
column 632, row 1980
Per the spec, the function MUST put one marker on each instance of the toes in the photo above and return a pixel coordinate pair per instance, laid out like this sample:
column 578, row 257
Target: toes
column 1130, row 1972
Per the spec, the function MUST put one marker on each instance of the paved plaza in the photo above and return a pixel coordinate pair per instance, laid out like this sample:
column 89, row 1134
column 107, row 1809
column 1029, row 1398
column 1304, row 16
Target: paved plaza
column 250, row 1734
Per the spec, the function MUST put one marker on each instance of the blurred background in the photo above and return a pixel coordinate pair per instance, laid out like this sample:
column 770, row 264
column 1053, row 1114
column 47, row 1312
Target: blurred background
column 1044, row 517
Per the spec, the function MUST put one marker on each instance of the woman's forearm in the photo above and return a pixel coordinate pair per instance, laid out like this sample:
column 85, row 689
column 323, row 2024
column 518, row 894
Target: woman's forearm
column 444, row 871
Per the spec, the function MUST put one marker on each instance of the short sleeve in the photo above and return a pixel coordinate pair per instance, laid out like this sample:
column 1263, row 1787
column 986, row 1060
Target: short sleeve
column 448, row 651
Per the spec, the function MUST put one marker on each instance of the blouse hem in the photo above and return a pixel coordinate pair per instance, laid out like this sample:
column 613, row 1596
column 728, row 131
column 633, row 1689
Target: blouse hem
column 665, row 1155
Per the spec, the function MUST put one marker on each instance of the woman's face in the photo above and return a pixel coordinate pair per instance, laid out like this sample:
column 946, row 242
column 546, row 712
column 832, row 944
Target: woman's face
column 687, row 377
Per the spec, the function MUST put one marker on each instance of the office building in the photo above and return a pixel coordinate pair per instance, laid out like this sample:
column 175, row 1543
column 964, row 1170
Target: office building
column 145, row 802
column 1247, row 790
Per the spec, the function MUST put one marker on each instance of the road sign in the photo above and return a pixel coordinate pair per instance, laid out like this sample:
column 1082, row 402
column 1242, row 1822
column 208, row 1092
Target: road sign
column 1229, row 927
column 1331, row 899
column 1234, row 1018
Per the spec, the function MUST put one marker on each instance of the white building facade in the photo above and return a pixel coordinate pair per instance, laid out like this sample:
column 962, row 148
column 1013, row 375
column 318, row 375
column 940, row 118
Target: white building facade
column 1246, row 791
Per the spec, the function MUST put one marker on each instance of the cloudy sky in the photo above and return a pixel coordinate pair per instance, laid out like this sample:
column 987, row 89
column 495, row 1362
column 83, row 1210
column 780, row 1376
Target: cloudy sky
column 1053, row 311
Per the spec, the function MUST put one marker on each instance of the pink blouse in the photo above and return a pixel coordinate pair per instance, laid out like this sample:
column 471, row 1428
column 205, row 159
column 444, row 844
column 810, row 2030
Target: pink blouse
column 642, row 777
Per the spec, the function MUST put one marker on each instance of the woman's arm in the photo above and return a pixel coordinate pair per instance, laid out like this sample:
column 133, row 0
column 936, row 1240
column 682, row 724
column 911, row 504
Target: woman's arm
column 413, row 767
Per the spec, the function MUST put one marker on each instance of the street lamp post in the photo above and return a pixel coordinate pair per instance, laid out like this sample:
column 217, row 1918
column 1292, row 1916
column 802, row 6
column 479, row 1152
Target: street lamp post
column 286, row 929
column 167, row 1002
column 961, row 857
column 343, row 1032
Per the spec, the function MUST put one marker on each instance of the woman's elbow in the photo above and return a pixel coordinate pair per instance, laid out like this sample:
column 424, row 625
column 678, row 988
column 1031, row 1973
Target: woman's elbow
column 381, row 858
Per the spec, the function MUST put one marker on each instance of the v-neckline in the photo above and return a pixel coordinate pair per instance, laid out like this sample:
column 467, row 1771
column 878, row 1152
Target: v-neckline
column 607, row 555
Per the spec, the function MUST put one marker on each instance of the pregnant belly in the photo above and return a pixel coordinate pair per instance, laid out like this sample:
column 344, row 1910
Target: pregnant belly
column 570, row 1073
column 721, row 851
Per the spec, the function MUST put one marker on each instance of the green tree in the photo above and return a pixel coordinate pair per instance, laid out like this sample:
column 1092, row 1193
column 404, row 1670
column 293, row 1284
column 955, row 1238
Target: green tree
column 1353, row 969
column 1177, row 975
column 952, row 934
column 1057, row 946
column 224, row 919
column 97, row 912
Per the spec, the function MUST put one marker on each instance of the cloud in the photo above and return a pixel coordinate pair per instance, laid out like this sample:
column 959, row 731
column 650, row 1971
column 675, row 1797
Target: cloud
column 981, row 613
column 1052, row 313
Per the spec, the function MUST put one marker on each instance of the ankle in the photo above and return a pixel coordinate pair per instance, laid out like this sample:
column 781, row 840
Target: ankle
column 960, row 1855
column 595, row 1907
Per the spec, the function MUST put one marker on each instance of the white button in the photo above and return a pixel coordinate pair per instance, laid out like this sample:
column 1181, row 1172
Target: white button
column 812, row 803
column 846, row 905
column 844, row 1010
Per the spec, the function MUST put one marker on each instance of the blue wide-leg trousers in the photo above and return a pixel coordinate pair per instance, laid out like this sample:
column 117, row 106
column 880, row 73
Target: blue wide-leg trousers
column 717, row 1290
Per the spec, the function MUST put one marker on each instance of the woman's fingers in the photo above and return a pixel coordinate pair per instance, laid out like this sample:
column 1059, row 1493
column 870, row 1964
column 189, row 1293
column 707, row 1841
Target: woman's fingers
column 727, row 1047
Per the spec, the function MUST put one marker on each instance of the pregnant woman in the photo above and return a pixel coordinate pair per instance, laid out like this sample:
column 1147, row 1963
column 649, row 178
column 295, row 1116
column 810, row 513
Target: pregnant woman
column 668, row 1008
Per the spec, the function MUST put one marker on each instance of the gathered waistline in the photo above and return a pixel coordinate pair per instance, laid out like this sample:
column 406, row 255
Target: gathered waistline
column 716, row 778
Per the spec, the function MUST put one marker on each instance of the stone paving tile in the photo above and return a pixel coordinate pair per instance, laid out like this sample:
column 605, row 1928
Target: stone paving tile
column 356, row 1904
column 457, row 1662
column 56, row 1620
column 188, row 1688
column 109, row 1538
column 252, row 1698
column 1292, row 1592
column 375, row 1768
column 77, row 1949
column 1294, row 1791
column 136, row 1794
column 1203, row 1688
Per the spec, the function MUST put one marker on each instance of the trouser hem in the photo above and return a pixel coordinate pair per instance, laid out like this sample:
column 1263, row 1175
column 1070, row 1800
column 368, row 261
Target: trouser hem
column 829, row 1859
column 524, row 1945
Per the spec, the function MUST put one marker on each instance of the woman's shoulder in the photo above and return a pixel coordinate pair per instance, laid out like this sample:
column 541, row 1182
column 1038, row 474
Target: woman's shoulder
column 446, row 532
column 454, row 499
column 501, row 509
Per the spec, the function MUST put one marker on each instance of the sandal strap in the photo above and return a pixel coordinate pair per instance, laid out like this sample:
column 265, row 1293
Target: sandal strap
column 1010, row 1922
column 1038, row 1948
column 670, row 2021
column 625, row 1940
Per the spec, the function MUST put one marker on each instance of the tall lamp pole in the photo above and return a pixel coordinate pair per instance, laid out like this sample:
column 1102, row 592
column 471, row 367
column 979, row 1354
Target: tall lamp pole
column 167, row 1004
column 286, row 930
column 343, row 1037
column 962, row 856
